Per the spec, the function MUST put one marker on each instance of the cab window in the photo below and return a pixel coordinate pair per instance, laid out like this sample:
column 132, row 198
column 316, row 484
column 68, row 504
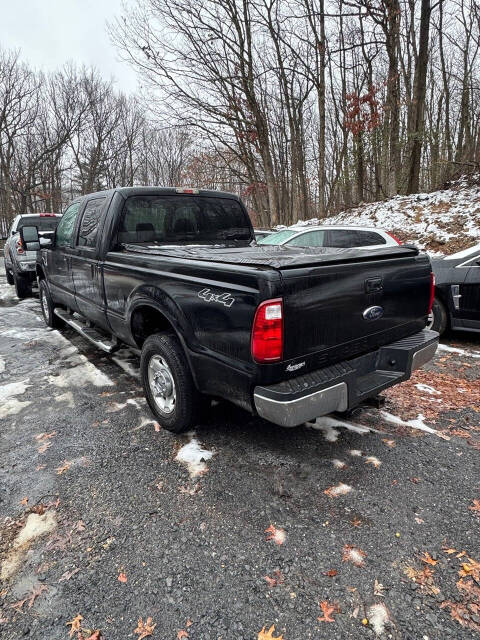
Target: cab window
column 66, row 226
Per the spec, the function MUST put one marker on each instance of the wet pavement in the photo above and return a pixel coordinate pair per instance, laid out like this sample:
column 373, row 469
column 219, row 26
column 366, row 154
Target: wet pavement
column 358, row 528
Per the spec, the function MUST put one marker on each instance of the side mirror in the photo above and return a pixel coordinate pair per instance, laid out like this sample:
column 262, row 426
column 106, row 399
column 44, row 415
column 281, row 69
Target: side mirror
column 30, row 239
column 46, row 242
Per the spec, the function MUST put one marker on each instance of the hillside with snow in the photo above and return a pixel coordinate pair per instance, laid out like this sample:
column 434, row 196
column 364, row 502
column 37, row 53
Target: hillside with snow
column 441, row 221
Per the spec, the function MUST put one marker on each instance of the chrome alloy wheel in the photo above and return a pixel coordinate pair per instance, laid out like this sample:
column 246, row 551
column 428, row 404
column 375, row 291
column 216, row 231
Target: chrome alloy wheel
column 162, row 385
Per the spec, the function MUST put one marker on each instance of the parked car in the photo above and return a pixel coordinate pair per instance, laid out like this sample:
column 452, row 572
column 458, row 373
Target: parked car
column 332, row 236
column 262, row 233
column 457, row 292
column 20, row 264
column 286, row 333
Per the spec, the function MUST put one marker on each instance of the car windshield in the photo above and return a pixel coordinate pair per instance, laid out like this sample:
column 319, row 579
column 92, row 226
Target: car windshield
column 183, row 220
column 465, row 253
column 43, row 223
column 279, row 237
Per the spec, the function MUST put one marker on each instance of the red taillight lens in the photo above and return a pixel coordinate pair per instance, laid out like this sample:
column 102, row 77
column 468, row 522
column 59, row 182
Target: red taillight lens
column 267, row 331
column 20, row 246
column 432, row 291
column 394, row 237
column 47, row 215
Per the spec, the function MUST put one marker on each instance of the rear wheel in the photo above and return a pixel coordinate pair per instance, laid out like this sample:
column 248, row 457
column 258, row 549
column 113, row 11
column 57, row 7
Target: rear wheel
column 23, row 286
column 438, row 318
column 51, row 320
column 168, row 383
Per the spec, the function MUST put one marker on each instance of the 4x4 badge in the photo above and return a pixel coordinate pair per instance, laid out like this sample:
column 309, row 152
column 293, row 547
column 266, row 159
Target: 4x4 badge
column 222, row 298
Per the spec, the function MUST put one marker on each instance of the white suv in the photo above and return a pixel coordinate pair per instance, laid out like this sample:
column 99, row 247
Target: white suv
column 332, row 236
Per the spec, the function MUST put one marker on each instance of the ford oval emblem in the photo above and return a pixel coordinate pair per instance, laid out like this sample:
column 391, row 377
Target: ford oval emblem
column 373, row 313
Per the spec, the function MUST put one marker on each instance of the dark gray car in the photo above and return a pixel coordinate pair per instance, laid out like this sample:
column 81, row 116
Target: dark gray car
column 457, row 291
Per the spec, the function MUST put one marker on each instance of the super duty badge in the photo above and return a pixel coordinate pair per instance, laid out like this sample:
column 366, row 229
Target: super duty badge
column 221, row 298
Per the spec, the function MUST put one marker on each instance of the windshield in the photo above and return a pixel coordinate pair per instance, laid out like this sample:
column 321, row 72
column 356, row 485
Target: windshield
column 279, row 237
column 41, row 222
column 183, row 220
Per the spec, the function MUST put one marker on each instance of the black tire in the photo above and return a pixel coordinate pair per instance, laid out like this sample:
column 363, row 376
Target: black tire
column 439, row 319
column 46, row 303
column 185, row 398
column 9, row 275
column 23, row 286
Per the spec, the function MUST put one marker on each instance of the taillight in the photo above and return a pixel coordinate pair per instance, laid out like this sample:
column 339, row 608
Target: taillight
column 267, row 331
column 432, row 292
column 19, row 244
column 186, row 190
column 47, row 215
column 394, row 237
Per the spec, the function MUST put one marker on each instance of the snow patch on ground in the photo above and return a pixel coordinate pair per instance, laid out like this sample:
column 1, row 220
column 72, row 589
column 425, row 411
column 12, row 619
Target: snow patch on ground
column 127, row 361
column 338, row 464
column 80, row 376
column 340, row 489
column 329, row 426
column 416, row 423
column 461, row 352
column 378, row 617
column 428, row 389
column 35, row 527
column 9, row 404
column 194, row 457
column 13, row 389
column 66, row 397
column 2, row 365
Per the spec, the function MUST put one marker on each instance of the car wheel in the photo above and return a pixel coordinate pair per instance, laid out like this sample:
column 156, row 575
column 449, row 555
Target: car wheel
column 438, row 318
column 168, row 383
column 51, row 320
column 9, row 275
column 23, row 287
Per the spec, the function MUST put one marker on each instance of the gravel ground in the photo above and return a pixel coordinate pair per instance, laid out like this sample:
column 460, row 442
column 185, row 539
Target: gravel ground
column 132, row 532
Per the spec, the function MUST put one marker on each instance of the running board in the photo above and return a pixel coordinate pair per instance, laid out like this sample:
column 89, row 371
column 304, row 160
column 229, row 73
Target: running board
column 95, row 337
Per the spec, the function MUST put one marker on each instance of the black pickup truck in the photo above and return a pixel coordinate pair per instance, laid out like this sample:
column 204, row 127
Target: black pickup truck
column 286, row 333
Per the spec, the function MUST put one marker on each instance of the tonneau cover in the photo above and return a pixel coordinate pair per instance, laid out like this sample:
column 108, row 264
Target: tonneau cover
column 277, row 257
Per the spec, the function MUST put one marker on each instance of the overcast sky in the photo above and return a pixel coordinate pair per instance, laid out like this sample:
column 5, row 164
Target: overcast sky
column 51, row 32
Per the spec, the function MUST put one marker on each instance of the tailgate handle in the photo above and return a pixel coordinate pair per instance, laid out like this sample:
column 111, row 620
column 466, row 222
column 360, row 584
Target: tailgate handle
column 373, row 284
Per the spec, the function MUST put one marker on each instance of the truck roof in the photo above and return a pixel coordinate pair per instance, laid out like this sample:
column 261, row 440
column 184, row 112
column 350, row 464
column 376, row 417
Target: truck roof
column 138, row 191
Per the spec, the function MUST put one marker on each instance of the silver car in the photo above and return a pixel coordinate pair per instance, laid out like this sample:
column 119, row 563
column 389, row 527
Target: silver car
column 20, row 264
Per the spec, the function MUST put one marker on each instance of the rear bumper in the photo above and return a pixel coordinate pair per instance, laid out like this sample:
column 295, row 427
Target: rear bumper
column 344, row 385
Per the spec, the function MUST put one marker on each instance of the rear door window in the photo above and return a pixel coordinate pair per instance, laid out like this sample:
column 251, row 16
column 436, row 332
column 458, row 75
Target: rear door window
column 352, row 238
column 308, row 239
column 87, row 235
column 66, row 226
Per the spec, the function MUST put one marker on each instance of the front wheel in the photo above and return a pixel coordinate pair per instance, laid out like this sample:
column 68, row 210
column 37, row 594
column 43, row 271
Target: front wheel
column 23, row 287
column 51, row 320
column 168, row 383
column 438, row 318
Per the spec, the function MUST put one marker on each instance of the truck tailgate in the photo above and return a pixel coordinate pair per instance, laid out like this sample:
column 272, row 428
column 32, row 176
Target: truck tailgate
column 333, row 312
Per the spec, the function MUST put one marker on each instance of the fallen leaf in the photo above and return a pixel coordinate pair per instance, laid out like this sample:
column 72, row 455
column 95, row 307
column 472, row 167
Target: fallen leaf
column 188, row 623
column 475, row 506
column 354, row 555
column 145, row 629
column 63, row 468
column 39, row 467
column 268, row 635
column 96, row 635
column 327, row 610
column 68, row 574
column 75, row 625
column 449, row 550
column 182, row 634
column 356, row 522
column 470, row 568
column 332, row 573
column 45, row 436
column 419, row 520
column 277, row 535
column 44, row 447
column 378, row 588
column 37, row 591
column 390, row 443
column 18, row 605
column 24, row 502
column 122, row 577
column 157, row 427
column 427, row 558
column 373, row 461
